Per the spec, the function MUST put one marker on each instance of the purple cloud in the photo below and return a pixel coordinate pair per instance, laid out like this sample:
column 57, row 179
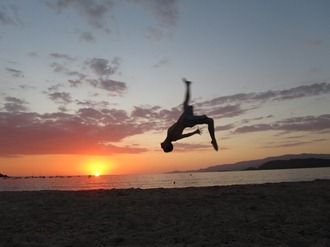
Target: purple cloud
column 89, row 132
column 15, row 105
column 280, row 95
column 60, row 97
column 238, row 104
column 307, row 123
column 103, row 67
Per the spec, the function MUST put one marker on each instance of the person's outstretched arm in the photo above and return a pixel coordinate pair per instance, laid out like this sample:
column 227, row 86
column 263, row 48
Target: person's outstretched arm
column 198, row 131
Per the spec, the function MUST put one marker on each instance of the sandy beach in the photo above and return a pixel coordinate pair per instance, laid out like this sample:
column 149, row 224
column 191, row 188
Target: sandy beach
column 282, row 214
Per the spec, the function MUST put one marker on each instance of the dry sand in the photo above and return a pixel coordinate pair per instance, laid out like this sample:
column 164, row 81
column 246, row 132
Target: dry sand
column 283, row 214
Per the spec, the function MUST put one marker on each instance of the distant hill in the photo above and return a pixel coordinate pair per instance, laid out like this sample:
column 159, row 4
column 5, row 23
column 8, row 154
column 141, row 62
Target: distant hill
column 3, row 175
column 243, row 165
column 295, row 163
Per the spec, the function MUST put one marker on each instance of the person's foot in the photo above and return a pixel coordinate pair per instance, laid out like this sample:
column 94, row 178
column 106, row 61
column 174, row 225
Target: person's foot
column 215, row 145
column 185, row 81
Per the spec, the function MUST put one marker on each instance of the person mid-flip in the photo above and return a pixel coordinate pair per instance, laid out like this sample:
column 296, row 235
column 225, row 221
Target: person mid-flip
column 187, row 119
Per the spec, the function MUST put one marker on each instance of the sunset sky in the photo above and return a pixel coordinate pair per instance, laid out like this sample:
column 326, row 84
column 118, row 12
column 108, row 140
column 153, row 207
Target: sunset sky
column 91, row 86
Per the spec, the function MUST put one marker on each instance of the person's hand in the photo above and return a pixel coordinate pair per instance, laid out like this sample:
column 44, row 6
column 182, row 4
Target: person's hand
column 199, row 131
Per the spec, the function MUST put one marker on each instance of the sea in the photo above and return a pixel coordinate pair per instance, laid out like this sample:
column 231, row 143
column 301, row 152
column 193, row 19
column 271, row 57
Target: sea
column 171, row 180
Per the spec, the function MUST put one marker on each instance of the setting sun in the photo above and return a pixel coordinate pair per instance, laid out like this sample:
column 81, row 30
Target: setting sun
column 97, row 166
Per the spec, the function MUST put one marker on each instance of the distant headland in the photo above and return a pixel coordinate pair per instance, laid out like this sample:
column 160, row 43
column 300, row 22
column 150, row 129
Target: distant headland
column 288, row 161
column 3, row 175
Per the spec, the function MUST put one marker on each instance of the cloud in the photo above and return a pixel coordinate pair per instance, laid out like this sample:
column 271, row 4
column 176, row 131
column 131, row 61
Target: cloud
column 60, row 97
column 9, row 16
column 224, row 127
column 15, row 72
column 59, row 68
column 188, row 147
column 33, row 54
column 226, row 111
column 26, row 87
column 15, row 105
column 285, row 144
column 160, row 118
column 87, row 36
column 307, row 123
column 166, row 11
column 93, row 104
column 103, row 67
column 156, row 33
column 95, row 128
column 146, row 112
column 314, row 43
column 55, row 87
column 88, row 132
column 237, row 104
column 280, row 95
column 95, row 12
column 61, row 56
column 162, row 62
column 115, row 88
column 75, row 83
column 65, row 70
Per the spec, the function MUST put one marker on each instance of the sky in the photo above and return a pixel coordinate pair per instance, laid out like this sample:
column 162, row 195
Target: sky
column 92, row 86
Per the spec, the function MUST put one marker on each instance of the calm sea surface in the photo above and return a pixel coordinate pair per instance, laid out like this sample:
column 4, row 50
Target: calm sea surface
column 175, row 180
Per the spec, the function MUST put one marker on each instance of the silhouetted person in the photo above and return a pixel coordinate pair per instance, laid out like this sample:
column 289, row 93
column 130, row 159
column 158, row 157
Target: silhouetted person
column 187, row 119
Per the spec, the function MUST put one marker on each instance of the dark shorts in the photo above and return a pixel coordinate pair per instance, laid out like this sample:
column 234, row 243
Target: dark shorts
column 190, row 120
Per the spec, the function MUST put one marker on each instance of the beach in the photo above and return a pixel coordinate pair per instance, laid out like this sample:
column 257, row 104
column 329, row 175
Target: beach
column 273, row 214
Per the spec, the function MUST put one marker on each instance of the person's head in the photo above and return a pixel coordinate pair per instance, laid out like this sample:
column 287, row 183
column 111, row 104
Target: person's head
column 167, row 146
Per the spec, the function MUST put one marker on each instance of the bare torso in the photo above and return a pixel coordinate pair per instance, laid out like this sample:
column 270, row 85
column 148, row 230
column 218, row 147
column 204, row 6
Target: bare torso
column 174, row 133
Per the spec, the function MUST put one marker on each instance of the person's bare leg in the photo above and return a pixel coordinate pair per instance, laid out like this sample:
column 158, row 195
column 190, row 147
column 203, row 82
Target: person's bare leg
column 210, row 124
column 187, row 98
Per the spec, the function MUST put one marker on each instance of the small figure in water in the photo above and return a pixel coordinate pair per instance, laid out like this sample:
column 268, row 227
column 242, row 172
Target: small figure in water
column 187, row 119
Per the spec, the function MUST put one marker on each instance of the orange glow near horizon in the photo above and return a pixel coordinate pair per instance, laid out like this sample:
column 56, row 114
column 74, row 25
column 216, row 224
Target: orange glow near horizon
column 146, row 163
column 97, row 166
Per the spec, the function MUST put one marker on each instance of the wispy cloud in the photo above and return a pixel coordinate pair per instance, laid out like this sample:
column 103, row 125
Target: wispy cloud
column 15, row 72
column 165, row 11
column 315, row 43
column 97, row 73
column 9, row 15
column 95, row 12
column 280, row 95
column 162, row 62
column 237, row 104
column 307, row 123
column 87, row 36
column 62, row 56
column 188, row 147
column 291, row 143
column 156, row 33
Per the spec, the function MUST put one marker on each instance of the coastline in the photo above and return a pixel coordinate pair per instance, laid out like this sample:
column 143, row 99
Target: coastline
column 273, row 214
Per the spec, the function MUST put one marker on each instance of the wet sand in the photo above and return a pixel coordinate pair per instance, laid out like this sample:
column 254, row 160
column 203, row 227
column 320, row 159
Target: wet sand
column 282, row 214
